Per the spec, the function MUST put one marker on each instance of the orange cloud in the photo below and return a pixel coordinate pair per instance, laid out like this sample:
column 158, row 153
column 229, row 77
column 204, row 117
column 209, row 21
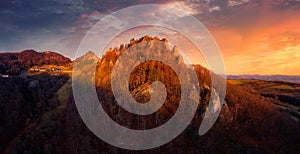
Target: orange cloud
column 266, row 44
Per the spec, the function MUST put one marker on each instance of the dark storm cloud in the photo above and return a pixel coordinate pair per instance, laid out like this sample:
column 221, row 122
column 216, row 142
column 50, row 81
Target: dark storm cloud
column 29, row 14
column 61, row 24
column 42, row 24
column 24, row 19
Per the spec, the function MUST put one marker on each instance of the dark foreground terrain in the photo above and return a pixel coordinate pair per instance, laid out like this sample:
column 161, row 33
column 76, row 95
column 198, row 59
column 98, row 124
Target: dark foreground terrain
column 285, row 95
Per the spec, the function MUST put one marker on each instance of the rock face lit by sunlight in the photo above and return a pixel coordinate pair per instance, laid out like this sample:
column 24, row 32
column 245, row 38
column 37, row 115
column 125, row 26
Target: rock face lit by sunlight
column 216, row 103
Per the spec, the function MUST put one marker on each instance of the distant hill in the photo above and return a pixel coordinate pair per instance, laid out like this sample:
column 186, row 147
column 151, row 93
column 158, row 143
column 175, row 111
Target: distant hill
column 14, row 63
column 287, row 78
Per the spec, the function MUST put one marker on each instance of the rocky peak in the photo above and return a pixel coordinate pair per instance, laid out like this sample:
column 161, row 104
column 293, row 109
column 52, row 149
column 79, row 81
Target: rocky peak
column 29, row 51
column 144, row 38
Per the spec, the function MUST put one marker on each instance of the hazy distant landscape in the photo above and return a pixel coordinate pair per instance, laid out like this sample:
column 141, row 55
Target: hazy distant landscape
column 286, row 78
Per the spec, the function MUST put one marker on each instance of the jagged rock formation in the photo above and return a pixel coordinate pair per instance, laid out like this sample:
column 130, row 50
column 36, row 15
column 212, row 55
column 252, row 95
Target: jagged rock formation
column 142, row 76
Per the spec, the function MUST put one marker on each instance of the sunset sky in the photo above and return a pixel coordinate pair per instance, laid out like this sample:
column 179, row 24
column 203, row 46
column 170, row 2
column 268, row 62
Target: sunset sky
column 255, row 36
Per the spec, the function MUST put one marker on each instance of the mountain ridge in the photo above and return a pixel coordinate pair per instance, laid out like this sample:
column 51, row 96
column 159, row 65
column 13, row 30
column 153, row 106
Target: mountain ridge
column 15, row 63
